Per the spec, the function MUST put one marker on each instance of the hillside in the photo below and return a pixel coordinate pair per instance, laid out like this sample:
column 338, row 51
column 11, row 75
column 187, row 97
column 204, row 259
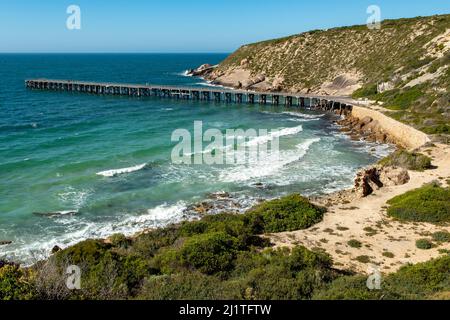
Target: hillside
column 404, row 66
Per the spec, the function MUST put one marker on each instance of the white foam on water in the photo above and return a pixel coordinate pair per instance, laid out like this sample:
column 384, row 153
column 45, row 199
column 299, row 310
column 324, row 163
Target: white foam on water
column 115, row 172
column 275, row 133
column 303, row 115
column 184, row 73
column 210, row 84
column 303, row 120
column 79, row 230
column 74, row 198
column 268, row 165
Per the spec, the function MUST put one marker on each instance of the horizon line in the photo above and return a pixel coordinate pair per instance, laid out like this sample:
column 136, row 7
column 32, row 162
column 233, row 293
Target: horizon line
column 113, row 52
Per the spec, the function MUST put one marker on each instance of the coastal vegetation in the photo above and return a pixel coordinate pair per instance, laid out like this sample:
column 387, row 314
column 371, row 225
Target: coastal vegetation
column 429, row 280
column 424, row 244
column 221, row 256
column 407, row 160
column 431, row 203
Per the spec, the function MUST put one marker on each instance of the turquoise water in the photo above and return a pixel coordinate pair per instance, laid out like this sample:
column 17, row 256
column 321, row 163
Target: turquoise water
column 53, row 145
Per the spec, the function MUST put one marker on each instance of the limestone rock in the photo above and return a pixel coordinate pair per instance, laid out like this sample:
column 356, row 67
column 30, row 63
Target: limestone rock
column 367, row 181
column 391, row 176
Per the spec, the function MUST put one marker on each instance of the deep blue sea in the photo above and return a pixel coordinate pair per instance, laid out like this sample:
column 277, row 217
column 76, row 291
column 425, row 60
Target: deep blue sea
column 53, row 145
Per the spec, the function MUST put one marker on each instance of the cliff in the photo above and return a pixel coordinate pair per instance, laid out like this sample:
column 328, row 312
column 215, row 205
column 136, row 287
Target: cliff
column 404, row 66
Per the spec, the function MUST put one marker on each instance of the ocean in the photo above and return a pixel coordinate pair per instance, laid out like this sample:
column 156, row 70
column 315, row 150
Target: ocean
column 57, row 151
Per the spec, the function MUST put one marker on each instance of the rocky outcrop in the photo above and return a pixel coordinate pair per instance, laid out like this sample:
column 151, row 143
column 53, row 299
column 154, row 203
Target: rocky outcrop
column 202, row 71
column 365, row 128
column 55, row 249
column 369, row 180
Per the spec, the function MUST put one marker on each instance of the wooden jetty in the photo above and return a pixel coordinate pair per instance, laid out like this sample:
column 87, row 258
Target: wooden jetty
column 216, row 94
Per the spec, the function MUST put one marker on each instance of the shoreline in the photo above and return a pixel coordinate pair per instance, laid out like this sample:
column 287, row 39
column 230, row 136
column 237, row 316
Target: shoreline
column 202, row 207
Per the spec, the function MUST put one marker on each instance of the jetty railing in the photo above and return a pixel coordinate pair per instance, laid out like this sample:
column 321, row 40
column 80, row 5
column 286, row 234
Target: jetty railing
column 216, row 94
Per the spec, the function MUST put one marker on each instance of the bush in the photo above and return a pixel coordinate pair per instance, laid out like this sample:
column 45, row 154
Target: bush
column 366, row 91
column 290, row 213
column 363, row 259
column 209, row 253
column 388, row 254
column 407, row 160
column 404, row 99
column 430, row 203
column 421, row 281
column 424, row 244
column 348, row 288
column 15, row 283
column 282, row 274
column 188, row 286
column 354, row 243
column 105, row 273
column 441, row 236
column 119, row 240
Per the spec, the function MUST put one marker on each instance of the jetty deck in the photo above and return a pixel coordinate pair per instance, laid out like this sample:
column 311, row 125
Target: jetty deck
column 216, row 94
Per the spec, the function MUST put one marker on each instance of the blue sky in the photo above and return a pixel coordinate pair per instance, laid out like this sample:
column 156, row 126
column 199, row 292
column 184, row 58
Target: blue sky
column 182, row 25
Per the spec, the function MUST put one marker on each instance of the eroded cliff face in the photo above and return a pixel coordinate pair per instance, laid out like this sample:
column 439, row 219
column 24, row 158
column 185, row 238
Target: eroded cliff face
column 403, row 67
column 338, row 61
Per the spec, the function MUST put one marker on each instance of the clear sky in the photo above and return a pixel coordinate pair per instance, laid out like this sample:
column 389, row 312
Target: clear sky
column 182, row 25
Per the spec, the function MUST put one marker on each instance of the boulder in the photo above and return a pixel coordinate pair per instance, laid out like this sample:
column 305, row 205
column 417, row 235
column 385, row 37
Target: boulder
column 367, row 181
column 55, row 249
column 244, row 62
column 381, row 137
column 201, row 71
column 372, row 126
column 391, row 176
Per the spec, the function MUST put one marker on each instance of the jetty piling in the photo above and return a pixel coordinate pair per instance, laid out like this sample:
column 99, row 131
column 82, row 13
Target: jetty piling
column 191, row 93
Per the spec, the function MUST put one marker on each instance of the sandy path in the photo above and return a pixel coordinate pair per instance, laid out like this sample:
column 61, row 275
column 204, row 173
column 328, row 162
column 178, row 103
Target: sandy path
column 345, row 222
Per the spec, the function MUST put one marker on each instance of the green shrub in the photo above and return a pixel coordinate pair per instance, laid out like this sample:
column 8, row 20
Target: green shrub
column 290, row 213
column 210, row 253
column 348, row 288
column 404, row 99
column 426, row 280
column 119, row 240
column 419, row 281
column 430, row 203
column 363, row 259
column 366, row 91
column 282, row 274
column 437, row 129
column 441, row 236
column 354, row 243
column 15, row 283
column 407, row 160
column 147, row 245
column 424, row 244
column 188, row 286
column 105, row 273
